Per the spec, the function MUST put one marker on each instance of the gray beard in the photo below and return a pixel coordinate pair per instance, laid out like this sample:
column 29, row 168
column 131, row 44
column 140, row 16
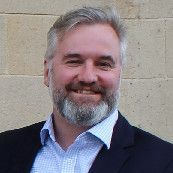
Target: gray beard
column 83, row 114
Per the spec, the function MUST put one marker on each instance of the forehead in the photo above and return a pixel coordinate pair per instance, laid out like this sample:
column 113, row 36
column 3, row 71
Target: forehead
column 97, row 38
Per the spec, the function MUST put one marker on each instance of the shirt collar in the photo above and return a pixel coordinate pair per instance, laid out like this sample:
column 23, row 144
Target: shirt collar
column 47, row 130
column 102, row 130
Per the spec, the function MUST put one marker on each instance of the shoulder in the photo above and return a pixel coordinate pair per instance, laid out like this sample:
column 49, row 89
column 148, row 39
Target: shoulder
column 22, row 134
column 152, row 148
column 148, row 140
column 142, row 144
column 18, row 147
column 139, row 137
column 156, row 152
column 145, row 152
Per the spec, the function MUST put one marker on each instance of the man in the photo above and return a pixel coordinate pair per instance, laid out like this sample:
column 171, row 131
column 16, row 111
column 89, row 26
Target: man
column 85, row 133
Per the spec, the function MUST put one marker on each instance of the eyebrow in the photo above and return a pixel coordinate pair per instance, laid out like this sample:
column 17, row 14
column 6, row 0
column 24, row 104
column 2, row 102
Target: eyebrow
column 72, row 55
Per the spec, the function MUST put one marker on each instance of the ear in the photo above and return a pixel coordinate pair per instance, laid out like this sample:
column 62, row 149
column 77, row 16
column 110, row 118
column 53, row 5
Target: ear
column 46, row 73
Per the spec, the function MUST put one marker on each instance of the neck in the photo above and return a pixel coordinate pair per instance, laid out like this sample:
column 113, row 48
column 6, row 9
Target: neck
column 65, row 133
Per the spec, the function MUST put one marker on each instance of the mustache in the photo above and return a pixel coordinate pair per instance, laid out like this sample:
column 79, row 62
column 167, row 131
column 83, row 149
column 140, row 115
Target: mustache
column 82, row 85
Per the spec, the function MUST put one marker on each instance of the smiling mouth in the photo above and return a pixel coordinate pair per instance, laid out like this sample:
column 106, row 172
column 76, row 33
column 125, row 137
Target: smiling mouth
column 85, row 89
column 85, row 92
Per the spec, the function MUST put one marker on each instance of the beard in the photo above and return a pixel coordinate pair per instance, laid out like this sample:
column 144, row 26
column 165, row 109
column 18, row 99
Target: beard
column 83, row 113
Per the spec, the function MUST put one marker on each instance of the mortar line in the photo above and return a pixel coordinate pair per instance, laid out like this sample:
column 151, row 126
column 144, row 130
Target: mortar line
column 51, row 14
column 22, row 75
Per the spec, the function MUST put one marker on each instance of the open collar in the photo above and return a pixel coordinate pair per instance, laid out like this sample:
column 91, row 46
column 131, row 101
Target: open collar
column 112, row 160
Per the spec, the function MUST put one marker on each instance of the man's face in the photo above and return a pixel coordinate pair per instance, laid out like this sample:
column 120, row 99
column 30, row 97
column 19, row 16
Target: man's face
column 85, row 74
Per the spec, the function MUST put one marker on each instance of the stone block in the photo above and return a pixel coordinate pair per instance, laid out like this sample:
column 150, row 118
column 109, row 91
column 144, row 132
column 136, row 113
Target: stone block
column 26, row 42
column 24, row 100
column 3, row 46
column 169, row 48
column 43, row 6
column 146, row 49
column 146, row 104
column 56, row 7
column 128, row 8
column 155, row 8
column 30, row 7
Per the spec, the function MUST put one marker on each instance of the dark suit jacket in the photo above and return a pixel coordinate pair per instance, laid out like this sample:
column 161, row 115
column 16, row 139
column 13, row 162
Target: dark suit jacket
column 132, row 151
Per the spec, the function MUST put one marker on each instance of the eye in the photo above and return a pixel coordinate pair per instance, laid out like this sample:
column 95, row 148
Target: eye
column 104, row 65
column 73, row 62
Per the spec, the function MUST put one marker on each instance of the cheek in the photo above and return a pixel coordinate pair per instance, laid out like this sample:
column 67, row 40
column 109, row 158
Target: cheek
column 63, row 77
column 111, row 81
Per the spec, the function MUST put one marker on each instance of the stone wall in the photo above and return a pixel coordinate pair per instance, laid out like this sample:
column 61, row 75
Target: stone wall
column 147, row 86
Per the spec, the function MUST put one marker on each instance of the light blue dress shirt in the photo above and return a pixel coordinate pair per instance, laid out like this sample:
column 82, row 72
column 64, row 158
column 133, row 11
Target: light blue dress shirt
column 80, row 155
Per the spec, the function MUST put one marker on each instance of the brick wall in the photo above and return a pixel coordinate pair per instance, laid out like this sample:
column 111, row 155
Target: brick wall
column 147, row 85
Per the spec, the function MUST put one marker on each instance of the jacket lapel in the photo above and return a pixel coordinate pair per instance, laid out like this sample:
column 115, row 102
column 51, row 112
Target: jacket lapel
column 113, row 159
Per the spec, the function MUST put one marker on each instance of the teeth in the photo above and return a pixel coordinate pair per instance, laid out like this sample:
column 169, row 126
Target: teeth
column 85, row 92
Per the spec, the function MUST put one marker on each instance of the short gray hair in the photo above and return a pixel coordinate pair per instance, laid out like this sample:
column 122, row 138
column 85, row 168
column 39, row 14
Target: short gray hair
column 87, row 16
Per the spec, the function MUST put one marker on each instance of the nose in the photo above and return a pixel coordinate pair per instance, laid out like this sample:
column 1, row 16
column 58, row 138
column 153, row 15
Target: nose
column 87, row 74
